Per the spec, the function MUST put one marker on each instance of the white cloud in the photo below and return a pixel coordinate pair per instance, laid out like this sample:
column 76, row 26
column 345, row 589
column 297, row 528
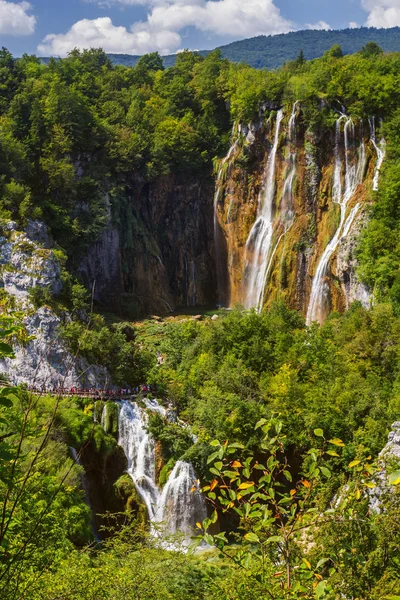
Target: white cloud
column 101, row 33
column 321, row 25
column 166, row 18
column 353, row 25
column 239, row 18
column 14, row 19
column 382, row 13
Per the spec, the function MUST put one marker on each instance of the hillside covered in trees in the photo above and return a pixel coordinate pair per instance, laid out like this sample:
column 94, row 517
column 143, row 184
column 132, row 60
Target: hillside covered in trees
column 271, row 52
column 257, row 435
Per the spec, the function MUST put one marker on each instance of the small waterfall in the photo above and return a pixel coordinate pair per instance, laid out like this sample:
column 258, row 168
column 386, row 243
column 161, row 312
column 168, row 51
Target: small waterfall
column 353, row 176
column 258, row 245
column 380, row 153
column 179, row 505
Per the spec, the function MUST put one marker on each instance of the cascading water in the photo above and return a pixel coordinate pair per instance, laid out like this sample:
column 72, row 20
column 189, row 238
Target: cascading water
column 287, row 196
column 180, row 507
column 177, row 507
column 353, row 176
column 380, row 152
column 258, row 245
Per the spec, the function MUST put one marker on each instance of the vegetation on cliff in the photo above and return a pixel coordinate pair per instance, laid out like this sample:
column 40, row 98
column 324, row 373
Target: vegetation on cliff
column 76, row 137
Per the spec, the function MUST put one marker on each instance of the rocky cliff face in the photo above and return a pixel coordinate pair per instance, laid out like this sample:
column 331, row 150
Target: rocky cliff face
column 281, row 220
column 289, row 209
column 158, row 250
column 27, row 262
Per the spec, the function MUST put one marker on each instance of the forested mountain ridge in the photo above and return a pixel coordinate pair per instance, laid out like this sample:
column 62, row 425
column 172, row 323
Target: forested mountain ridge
column 126, row 191
column 271, row 52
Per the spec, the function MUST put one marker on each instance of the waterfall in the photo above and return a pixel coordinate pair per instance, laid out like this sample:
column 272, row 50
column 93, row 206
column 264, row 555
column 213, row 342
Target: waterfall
column 177, row 507
column 353, row 176
column 380, row 153
column 217, row 229
column 181, row 504
column 259, row 242
column 287, row 196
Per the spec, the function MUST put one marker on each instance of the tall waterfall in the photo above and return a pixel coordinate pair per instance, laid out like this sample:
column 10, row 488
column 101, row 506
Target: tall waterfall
column 344, row 186
column 380, row 152
column 177, row 507
column 258, row 245
column 287, row 196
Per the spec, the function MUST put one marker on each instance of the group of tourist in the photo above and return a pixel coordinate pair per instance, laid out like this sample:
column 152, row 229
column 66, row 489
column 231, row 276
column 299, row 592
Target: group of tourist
column 92, row 392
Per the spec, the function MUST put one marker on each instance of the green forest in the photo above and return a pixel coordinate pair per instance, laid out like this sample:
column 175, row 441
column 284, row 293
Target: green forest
column 271, row 52
column 285, row 422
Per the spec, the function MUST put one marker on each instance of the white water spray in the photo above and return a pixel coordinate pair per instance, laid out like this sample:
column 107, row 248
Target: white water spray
column 177, row 507
column 258, row 245
column 287, row 196
column 380, row 153
column 353, row 176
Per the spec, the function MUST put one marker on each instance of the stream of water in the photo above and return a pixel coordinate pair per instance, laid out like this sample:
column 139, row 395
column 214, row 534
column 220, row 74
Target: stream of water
column 179, row 506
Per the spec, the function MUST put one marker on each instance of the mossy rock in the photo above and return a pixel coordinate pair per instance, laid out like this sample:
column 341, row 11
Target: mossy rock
column 110, row 418
column 126, row 491
column 166, row 472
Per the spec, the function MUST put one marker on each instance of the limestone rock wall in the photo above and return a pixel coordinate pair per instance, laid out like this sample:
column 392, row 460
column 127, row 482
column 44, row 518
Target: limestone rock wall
column 306, row 214
column 27, row 262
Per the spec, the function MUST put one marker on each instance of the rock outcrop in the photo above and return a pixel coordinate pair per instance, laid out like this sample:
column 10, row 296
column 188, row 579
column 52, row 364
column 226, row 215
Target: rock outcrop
column 346, row 266
column 28, row 262
column 389, row 460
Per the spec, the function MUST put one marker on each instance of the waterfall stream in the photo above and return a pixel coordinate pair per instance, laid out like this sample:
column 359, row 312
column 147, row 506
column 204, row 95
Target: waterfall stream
column 287, row 196
column 258, row 245
column 380, row 153
column 352, row 177
column 177, row 507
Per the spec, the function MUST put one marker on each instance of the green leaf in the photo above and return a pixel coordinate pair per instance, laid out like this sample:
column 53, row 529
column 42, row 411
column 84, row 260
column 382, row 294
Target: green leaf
column 275, row 538
column 325, row 471
column 288, row 475
column 320, row 589
column 260, row 423
column 332, row 453
column 354, row 463
column 394, row 478
column 212, row 457
column 319, row 432
column 252, row 537
column 215, row 443
column 214, row 517
column 214, row 471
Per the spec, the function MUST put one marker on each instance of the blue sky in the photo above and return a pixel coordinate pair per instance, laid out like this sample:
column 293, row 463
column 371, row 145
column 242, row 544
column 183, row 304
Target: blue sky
column 139, row 26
